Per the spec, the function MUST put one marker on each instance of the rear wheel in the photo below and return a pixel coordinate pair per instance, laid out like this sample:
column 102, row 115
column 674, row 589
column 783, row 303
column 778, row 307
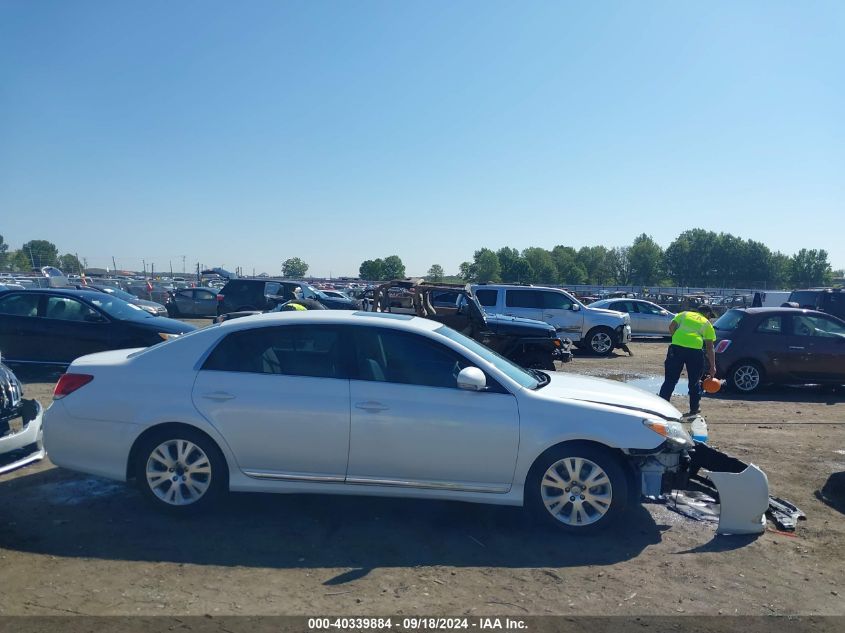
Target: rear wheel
column 577, row 488
column 180, row 470
column 600, row 341
column 746, row 376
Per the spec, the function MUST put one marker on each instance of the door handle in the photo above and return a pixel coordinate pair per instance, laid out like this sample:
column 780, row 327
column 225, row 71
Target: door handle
column 795, row 347
column 371, row 406
column 220, row 396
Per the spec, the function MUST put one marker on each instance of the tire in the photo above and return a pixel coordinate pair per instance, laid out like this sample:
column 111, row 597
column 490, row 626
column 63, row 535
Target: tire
column 541, row 360
column 158, row 465
column 746, row 376
column 600, row 341
column 596, row 508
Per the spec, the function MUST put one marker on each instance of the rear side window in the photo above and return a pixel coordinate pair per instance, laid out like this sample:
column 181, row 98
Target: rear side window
column 806, row 325
column 487, row 298
column 730, row 320
column 20, row 304
column 313, row 351
column 771, row 325
column 523, row 299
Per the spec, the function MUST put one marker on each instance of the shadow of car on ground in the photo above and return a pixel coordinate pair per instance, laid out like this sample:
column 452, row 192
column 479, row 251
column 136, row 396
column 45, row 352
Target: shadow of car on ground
column 59, row 513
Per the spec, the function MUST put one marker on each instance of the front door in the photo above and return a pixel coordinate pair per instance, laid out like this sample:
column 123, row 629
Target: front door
column 70, row 329
column 184, row 302
column 280, row 397
column 818, row 343
column 562, row 312
column 205, row 302
column 413, row 427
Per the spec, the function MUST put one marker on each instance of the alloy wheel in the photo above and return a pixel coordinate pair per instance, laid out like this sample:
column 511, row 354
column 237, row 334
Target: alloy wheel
column 576, row 491
column 746, row 378
column 601, row 343
column 178, row 472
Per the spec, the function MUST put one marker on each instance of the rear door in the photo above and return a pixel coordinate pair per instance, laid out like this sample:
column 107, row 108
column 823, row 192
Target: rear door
column 818, row 346
column 20, row 336
column 558, row 311
column 280, row 397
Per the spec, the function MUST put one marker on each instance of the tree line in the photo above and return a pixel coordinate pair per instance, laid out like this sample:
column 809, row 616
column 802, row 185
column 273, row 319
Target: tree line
column 696, row 257
column 36, row 254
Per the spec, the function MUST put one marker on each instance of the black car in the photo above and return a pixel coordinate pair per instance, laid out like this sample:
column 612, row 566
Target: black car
column 830, row 300
column 261, row 295
column 53, row 326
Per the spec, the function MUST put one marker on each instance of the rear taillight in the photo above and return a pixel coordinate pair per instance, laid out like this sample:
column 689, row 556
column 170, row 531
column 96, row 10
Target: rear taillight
column 722, row 345
column 220, row 297
column 69, row 383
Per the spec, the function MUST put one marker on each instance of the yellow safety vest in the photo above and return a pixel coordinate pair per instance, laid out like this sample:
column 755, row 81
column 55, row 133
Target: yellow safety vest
column 693, row 330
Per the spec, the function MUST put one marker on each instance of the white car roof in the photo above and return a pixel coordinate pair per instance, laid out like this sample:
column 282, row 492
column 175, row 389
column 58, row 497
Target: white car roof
column 345, row 317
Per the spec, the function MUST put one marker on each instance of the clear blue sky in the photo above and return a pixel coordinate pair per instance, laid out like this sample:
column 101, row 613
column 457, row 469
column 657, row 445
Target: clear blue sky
column 243, row 133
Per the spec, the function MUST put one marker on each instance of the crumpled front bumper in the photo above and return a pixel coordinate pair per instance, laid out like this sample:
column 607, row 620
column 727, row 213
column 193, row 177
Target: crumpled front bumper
column 740, row 489
column 24, row 446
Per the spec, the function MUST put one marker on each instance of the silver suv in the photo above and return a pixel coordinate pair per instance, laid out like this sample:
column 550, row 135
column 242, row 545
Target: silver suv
column 599, row 331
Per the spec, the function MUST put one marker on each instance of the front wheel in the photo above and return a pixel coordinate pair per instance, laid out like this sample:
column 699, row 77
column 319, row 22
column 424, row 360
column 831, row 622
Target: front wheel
column 600, row 341
column 746, row 377
column 577, row 488
column 180, row 470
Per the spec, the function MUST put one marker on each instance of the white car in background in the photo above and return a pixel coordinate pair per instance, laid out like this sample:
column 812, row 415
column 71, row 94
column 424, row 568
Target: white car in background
column 368, row 404
column 647, row 318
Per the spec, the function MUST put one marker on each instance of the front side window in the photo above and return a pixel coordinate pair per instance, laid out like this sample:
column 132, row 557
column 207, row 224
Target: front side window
column 24, row 304
column 67, row 309
column 300, row 350
column 384, row 355
column 556, row 301
column 648, row 308
column 619, row 306
column 729, row 321
column 487, row 298
column 805, row 325
column 771, row 325
column 523, row 299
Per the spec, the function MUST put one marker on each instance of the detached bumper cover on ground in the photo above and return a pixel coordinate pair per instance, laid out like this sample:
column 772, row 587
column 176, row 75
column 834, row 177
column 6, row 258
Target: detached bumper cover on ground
column 742, row 490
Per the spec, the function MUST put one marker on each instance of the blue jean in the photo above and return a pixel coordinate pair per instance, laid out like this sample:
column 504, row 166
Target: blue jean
column 677, row 358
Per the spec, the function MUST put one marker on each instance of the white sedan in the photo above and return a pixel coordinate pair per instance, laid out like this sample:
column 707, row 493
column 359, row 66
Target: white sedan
column 368, row 404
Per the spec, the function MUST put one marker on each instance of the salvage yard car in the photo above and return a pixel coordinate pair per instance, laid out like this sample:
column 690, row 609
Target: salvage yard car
column 758, row 346
column 20, row 424
column 527, row 342
column 647, row 318
column 53, row 326
column 362, row 403
column 596, row 330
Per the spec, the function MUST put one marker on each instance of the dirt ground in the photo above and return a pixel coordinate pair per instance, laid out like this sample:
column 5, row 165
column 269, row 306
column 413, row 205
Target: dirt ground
column 75, row 544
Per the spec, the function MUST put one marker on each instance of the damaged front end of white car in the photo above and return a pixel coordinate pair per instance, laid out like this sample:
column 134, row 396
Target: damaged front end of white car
column 20, row 424
column 681, row 464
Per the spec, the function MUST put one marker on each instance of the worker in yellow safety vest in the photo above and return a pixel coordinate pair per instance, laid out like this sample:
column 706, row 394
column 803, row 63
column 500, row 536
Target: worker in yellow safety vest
column 692, row 338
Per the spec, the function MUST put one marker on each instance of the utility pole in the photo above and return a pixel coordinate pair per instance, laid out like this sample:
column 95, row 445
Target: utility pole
column 114, row 264
column 183, row 264
column 171, row 268
column 79, row 264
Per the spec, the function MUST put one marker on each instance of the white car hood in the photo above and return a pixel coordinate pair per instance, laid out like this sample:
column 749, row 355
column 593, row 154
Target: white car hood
column 625, row 316
column 608, row 392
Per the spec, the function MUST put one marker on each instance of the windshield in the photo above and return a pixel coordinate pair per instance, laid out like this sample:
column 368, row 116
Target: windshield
column 119, row 309
column 730, row 320
column 514, row 372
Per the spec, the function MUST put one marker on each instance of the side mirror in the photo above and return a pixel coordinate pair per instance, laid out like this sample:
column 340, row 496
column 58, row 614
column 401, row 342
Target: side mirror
column 576, row 307
column 472, row 379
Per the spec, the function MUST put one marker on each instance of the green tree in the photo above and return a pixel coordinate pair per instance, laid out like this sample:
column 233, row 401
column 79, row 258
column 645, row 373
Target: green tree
column 18, row 261
column 70, row 264
column 466, row 271
column 646, row 258
column 810, row 268
column 371, row 270
column 690, row 259
column 514, row 267
column 393, row 268
column 4, row 248
column 569, row 271
column 620, row 265
column 595, row 261
column 41, row 253
column 435, row 273
column 485, row 266
column 294, row 267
